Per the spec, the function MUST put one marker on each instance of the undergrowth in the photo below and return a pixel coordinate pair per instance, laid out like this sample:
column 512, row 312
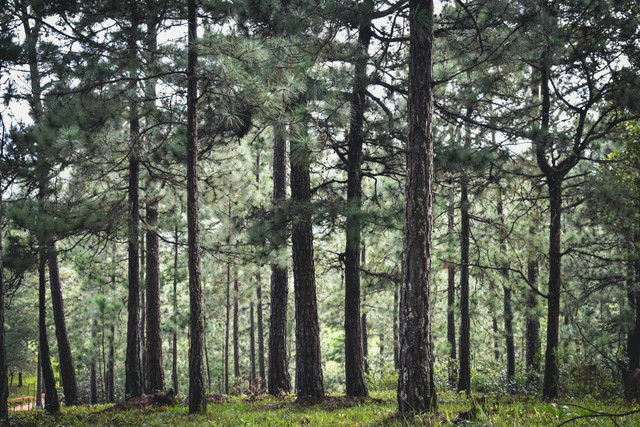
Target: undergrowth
column 379, row 410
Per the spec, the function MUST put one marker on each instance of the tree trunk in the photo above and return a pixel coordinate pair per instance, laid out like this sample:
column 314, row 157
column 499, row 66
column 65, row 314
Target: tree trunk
column 4, row 385
column 508, row 313
column 155, row 370
column 365, row 342
column 236, row 328
column 532, row 329
column 197, row 393
column 396, row 342
column 252, row 346
column 451, row 305
column 226, row 330
column 416, row 386
column 144, row 357
column 309, row 380
column 51, row 402
column 93, row 382
column 110, row 380
column 206, row 360
column 260, row 330
column 550, row 387
column 133, row 385
column 279, row 379
column 69, row 382
column 355, row 355
column 464, row 375
column 174, row 360
column 39, row 385
column 633, row 346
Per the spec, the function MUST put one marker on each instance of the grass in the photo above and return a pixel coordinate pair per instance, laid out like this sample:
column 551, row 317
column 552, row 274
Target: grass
column 380, row 411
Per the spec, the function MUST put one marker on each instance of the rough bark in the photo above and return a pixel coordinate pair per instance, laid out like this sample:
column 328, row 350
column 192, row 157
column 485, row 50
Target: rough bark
column 51, row 402
column 278, row 371
column 133, row 384
column 550, row 386
column 144, row 359
column 309, row 379
column 464, row 374
column 353, row 342
column 155, row 370
column 365, row 342
column 197, row 397
column 416, row 387
column 68, row 373
column 451, row 304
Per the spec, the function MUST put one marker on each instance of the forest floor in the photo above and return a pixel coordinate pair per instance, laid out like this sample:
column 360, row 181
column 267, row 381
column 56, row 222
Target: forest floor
column 380, row 410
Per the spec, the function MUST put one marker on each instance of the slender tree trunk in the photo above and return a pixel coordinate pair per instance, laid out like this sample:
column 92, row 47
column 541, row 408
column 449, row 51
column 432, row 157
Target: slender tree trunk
column 451, row 305
column 39, row 385
column 396, row 342
column 4, row 385
column 110, row 381
column 69, row 382
column 365, row 342
column 355, row 363
column 279, row 379
column 252, row 346
column 174, row 360
column 261, row 365
column 206, row 359
column 226, row 330
column 93, row 382
column 464, row 376
column 550, row 386
column 133, row 385
column 532, row 331
column 508, row 313
column 51, row 402
column 144, row 355
column 155, row 370
column 416, row 386
column 197, row 394
column 309, row 379
column 236, row 328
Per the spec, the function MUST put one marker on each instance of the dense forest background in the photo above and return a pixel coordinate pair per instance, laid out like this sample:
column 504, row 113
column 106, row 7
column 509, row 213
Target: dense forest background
column 313, row 196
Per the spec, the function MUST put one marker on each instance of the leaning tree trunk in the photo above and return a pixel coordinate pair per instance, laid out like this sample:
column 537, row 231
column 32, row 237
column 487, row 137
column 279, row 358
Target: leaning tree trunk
column 4, row 385
column 155, row 371
column 550, row 387
column 278, row 370
column 416, row 386
column 197, row 393
column 353, row 341
column 309, row 379
column 68, row 373
column 51, row 402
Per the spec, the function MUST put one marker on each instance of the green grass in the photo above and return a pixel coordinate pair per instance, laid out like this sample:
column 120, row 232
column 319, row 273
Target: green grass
column 29, row 384
column 490, row 410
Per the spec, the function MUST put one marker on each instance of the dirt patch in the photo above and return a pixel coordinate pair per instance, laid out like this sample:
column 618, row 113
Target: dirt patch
column 156, row 400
